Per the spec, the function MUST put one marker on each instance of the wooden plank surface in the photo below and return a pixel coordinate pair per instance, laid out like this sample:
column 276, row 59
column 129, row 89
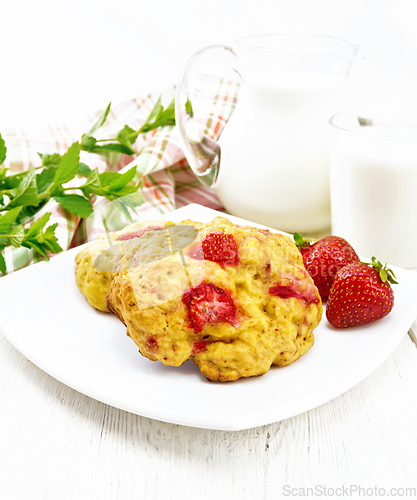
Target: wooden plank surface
column 57, row 443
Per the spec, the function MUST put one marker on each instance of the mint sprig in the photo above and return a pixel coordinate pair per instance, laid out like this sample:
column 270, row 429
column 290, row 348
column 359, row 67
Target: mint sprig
column 126, row 137
column 22, row 194
column 36, row 237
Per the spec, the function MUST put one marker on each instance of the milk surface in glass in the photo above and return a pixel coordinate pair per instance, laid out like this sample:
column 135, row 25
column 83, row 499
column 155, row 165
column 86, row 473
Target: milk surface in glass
column 373, row 192
column 284, row 181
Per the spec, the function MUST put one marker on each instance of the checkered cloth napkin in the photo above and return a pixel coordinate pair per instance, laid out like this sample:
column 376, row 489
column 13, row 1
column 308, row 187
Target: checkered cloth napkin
column 168, row 182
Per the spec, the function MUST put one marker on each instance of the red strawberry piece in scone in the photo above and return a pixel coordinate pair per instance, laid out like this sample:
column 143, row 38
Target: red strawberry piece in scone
column 361, row 293
column 209, row 304
column 218, row 247
column 152, row 344
column 199, row 346
column 294, row 289
column 324, row 258
column 138, row 233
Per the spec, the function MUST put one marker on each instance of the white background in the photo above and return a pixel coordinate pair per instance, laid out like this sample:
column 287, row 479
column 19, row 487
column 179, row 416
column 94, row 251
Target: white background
column 62, row 58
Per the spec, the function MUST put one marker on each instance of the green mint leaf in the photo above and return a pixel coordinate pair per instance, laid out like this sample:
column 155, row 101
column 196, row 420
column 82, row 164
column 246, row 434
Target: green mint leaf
column 45, row 179
column 88, row 142
column 28, row 212
column 115, row 180
column 8, row 219
column 3, row 268
column 68, row 166
column 34, row 245
column 159, row 117
column 16, row 236
column 121, row 191
column 100, row 121
column 10, row 181
column 112, row 147
column 92, row 185
column 50, row 241
column 84, row 169
column 42, row 242
column 50, row 160
column 3, row 173
column 26, row 192
column 37, row 226
column 75, row 204
column 111, row 184
column 35, row 238
column 156, row 110
column 127, row 135
column 189, row 109
column 93, row 180
column 3, row 150
column 132, row 200
column 123, row 209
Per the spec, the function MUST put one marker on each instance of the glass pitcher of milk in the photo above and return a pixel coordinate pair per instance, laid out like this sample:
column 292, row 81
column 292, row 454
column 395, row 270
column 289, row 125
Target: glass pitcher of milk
column 271, row 163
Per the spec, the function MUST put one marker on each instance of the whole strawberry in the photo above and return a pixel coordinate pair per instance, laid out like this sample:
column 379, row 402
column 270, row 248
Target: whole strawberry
column 361, row 293
column 324, row 258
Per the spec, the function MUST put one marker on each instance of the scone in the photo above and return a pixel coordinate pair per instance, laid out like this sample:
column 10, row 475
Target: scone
column 235, row 301
column 94, row 264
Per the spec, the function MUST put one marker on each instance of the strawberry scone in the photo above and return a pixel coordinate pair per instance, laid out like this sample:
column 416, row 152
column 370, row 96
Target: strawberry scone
column 236, row 301
column 95, row 262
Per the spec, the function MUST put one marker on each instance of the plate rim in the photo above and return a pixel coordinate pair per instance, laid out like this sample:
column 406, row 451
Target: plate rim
column 246, row 421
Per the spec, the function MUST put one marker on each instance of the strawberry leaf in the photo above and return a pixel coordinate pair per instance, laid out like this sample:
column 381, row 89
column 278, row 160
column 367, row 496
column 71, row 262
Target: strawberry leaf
column 298, row 239
column 384, row 272
column 302, row 242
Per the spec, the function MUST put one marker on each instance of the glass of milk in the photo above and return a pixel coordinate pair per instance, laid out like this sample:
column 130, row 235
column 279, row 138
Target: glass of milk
column 373, row 167
column 271, row 162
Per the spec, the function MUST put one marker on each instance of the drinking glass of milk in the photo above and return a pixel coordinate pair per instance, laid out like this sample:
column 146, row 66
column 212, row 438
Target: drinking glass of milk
column 373, row 170
column 271, row 162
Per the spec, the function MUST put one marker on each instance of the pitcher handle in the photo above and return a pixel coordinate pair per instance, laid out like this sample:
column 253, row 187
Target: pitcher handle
column 201, row 151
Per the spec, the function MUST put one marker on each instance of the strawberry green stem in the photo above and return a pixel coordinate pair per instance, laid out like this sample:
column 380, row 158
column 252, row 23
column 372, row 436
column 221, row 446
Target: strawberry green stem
column 384, row 272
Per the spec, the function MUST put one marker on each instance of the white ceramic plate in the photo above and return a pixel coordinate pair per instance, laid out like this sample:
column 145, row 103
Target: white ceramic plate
column 45, row 317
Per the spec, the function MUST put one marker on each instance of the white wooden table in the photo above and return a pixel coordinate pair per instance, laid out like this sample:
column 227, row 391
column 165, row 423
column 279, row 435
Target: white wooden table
column 56, row 443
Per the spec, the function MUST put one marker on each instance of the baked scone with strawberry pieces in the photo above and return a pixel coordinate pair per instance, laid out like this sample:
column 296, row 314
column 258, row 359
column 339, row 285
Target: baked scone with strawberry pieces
column 96, row 261
column 236, row 301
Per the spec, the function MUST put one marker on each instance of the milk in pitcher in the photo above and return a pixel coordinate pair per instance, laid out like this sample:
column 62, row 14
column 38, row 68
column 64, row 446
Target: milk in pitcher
column 274, row 150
